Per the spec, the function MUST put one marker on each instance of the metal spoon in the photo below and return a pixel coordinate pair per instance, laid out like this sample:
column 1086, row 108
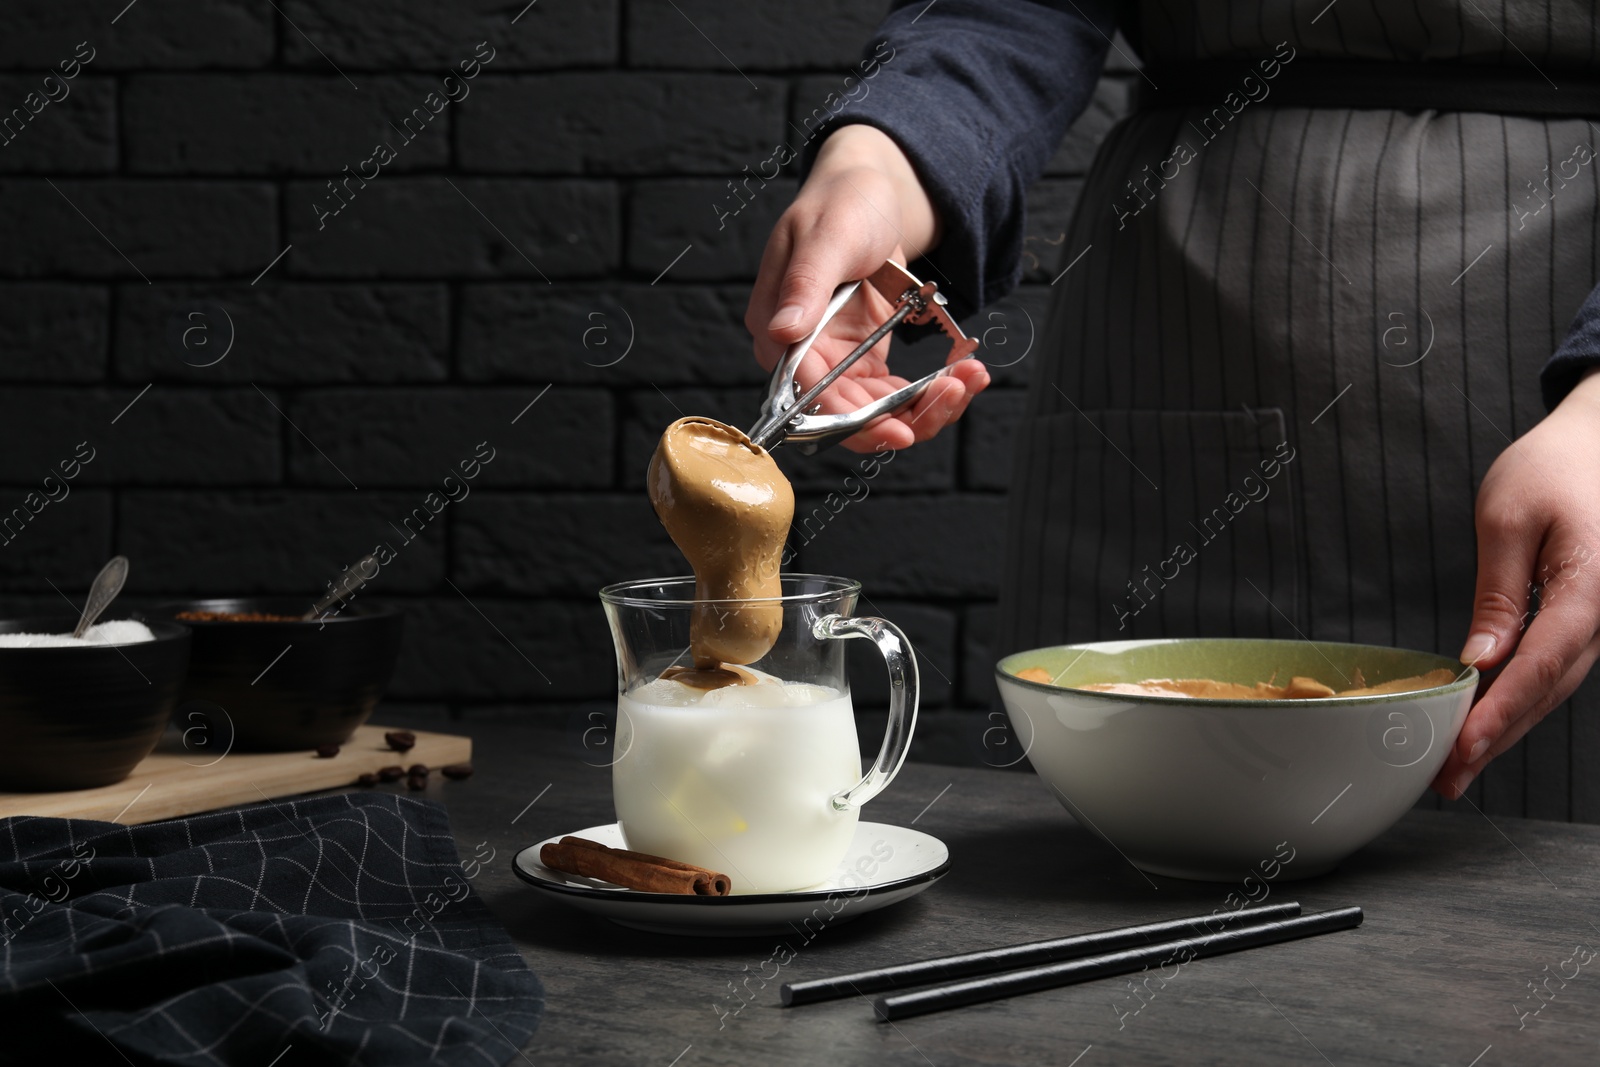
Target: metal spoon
column 104, row 589
column 348, row 583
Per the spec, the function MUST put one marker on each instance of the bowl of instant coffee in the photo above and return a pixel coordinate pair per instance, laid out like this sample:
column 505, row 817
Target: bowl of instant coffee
column 263, row 677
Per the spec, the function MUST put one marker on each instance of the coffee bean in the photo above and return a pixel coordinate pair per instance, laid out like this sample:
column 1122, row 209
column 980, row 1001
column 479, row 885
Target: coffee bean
column 401, row 740
column 418, row 768
column 417, row 781
column 392, row 773
column 327, row 751
column 367, row 779
column 457, row 771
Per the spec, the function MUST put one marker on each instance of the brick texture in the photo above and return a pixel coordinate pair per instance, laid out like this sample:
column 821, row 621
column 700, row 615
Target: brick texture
column 559, row 544
column 399, row 227
column 128, row 229
column 702, row 230
column 608, row 334
column 62, row 542
column 178, row 34
column 959, row 558
column 421, row 436
column 54, row 333
column 284, row 267
column 978, row 655
column 287, row 333
column 610, row 123
column 430, row 34
column 161, row 436
column 274, row 123
column 74, row 131
column 488, row 649
column 698, row 34
column 277, row 541
column 932, row 633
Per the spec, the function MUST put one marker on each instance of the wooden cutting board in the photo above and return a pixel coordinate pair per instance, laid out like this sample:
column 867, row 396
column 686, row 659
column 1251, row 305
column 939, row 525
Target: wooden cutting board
column 172, row 782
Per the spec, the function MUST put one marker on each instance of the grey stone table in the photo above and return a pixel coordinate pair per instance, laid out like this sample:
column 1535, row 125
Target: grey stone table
column 1464, row 919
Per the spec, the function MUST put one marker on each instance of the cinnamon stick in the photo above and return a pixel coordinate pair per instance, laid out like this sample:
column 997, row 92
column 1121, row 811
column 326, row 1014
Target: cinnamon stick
column 632, row 870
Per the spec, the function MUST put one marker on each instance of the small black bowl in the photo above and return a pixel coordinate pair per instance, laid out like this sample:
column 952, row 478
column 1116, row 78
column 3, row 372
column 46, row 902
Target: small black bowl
column 84, row 716
column 282, row 686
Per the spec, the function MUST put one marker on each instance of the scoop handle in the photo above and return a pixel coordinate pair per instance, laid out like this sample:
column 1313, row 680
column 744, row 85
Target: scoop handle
column 901, row 661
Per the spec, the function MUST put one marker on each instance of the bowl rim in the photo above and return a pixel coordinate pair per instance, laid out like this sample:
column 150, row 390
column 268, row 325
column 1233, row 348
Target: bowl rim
column 1468, row 678
column 164, row 630
column 167, row 610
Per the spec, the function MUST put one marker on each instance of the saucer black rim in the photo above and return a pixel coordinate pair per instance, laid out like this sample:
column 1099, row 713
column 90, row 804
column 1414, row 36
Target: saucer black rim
column 632, row 896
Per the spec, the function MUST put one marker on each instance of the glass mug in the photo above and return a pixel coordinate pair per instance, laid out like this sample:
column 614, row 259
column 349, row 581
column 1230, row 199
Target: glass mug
column 762, row 783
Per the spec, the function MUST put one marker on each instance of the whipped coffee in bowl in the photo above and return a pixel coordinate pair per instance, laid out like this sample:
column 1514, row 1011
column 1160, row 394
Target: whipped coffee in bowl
column 1299, row 687
column 1201, row 757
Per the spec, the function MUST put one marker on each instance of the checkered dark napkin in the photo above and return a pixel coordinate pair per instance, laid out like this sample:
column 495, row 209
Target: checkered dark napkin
column 342, row 929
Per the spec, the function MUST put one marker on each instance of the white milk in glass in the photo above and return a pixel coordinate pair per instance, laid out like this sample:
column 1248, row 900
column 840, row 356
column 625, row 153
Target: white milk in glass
column 738, row 779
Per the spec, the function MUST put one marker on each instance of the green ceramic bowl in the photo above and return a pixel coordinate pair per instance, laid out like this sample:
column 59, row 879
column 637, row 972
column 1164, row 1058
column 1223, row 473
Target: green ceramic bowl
column 1226, row 789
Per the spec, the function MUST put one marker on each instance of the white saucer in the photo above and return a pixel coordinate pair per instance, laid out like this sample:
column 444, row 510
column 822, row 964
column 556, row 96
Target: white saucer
column 916, row 861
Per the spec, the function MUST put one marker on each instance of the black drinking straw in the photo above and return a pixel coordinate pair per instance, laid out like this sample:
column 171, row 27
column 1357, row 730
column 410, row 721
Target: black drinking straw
column 1011, row 957
column 997, row 986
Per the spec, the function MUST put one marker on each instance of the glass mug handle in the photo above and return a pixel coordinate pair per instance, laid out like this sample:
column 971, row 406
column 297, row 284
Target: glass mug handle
column 902, row 664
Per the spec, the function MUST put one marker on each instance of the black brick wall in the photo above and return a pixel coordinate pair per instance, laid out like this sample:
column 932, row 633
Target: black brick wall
column 517, row 243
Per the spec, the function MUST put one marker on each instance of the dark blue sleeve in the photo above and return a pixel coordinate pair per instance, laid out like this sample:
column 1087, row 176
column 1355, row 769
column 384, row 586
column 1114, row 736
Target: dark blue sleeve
column 978, row 94
column 1579, row 351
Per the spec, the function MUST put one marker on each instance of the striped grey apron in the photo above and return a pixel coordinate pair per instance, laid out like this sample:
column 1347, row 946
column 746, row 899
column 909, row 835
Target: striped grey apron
column 1295, row 341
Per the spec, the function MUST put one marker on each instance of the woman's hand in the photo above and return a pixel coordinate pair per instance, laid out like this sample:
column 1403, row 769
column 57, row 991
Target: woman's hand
column 1538, row 519
column 861, row 204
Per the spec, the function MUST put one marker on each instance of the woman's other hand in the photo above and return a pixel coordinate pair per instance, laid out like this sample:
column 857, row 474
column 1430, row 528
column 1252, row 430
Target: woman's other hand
column 1538, row 520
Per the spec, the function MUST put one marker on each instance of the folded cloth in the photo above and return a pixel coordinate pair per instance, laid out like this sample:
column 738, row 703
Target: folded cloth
column 340, row 928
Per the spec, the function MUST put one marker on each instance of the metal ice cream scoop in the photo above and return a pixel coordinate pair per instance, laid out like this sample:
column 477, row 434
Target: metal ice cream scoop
column 786, row 416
